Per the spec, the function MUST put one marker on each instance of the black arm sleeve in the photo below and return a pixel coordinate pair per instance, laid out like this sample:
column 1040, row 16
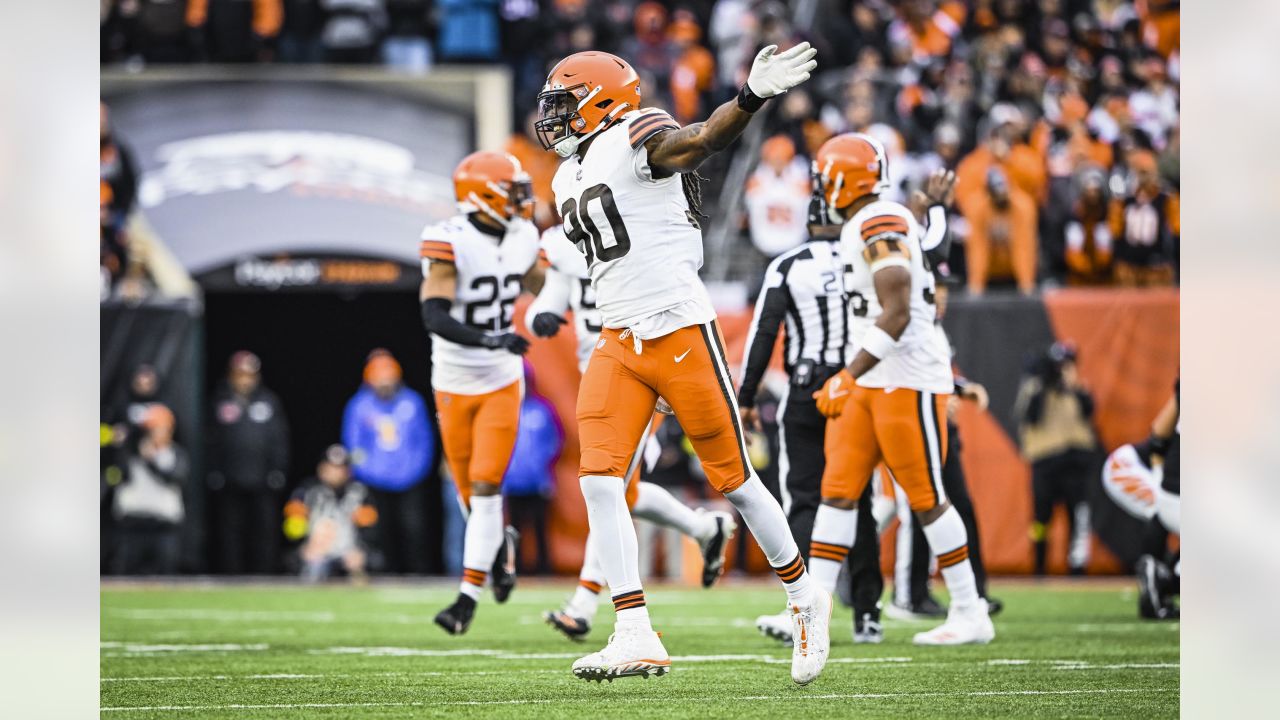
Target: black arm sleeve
column 436, row 318
column 764, row 334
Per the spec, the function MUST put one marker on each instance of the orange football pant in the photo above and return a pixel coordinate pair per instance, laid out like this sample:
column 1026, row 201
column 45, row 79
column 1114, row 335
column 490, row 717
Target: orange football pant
column 479, row 434
column 689, row 369
column 905, row 428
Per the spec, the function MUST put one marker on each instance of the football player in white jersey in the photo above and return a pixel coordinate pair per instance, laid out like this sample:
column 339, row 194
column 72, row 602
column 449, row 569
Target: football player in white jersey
column 629, row 199
column 888, row 403
column 568, row 287
column 474, row 267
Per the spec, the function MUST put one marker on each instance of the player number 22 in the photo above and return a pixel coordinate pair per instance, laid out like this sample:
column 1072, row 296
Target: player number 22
column 583, row 232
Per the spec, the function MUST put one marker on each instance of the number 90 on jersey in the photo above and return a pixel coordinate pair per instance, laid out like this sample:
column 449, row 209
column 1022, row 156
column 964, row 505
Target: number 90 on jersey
column 582, row 230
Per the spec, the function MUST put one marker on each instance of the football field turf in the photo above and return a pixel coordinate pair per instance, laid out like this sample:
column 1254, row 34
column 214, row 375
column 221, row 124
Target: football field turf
column 262, row 651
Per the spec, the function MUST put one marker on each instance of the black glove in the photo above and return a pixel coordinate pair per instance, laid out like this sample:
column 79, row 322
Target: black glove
column 510, row 342
column 547, row 324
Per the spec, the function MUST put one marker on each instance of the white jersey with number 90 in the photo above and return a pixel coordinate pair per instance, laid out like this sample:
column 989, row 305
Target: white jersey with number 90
column 643, row 246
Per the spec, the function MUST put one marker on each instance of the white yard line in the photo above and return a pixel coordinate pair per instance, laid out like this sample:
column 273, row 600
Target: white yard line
column 139, row 648
column 595, row 701
column 326, row 676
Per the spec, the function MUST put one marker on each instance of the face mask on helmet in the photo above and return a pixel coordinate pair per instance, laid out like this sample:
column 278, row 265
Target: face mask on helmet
column 521, row 194
column 818, row 214
column 559, row 121
column 821, row 212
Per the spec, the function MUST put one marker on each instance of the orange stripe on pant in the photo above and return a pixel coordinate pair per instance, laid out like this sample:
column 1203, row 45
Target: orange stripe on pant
column 906, row 428
column 478, row 433
column 687, row 368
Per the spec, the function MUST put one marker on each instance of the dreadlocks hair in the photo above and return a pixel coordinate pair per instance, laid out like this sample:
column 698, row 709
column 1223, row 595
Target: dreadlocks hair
column 691, row 183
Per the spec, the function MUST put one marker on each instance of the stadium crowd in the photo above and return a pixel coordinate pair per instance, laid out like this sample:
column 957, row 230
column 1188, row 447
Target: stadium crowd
column 1059, row 117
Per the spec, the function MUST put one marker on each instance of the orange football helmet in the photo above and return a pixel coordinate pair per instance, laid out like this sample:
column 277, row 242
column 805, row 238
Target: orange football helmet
column 493, row 183
column 848, row 167
column 584, row 93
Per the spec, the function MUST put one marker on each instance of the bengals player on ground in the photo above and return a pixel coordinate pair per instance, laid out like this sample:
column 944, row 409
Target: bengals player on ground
column 889, row 403
column 568, row 287
column 475, row 266
column 629, row 198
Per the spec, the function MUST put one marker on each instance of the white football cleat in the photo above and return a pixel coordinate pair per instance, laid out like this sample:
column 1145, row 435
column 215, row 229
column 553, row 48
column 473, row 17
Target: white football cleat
column 776, row 626
column 810, row 638
column 632, row 651
column 964, row 626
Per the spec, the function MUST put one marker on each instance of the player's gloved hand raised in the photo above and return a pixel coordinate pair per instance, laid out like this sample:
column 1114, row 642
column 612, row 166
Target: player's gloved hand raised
column 546, row 324
column 775, row 74
column 834, row 394
column 510, row 342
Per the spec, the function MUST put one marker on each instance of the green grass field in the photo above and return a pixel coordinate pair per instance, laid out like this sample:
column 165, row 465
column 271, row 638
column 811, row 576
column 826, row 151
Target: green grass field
column 216, row 651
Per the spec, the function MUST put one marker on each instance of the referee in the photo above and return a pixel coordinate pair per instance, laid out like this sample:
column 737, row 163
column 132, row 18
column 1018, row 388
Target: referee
column 803, row 289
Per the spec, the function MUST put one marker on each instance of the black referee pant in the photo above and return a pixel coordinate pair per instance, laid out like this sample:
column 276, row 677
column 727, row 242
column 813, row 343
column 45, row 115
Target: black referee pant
column 801, row 460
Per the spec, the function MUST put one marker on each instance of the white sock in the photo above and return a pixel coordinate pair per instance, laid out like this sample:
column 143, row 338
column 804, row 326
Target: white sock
column 764, row 518
column 481, row 542
column 586, row 597
column 655, row 504
column 616, row 547
column 833, row 533
column 948, row 541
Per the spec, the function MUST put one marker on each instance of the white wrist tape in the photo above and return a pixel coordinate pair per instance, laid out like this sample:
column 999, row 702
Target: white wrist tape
column 878, row 343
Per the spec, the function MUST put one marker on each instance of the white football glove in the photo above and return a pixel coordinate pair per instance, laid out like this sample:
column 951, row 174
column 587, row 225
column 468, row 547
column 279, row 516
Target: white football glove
column 775, row 74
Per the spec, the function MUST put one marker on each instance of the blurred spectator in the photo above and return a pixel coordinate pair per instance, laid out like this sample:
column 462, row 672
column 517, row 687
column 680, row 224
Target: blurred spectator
column 944, row 155
column 1161, row 25
column 334, row 518
column 777, row 198
column 353, row 30
column 1145, row 226
column 731, row 34
column 924, row 30
column 469, row 30
column 1002, row 236
column 1022, row 166
column 113, row 252
column 391, row 438
column 147, row 505
column 235, row 31
column 522, row 36
column 299, row 40
column 117, row 169
column 1088, row 234
column 407, row 46
column 531, row 480
column 248, row 457
column 652, row 53
column 147, row 30
column 1154, row 107
column 694, row 70
column 1055, row 425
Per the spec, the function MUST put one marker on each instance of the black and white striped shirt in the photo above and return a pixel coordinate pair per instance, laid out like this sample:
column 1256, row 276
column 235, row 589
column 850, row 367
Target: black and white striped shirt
column 803, row 289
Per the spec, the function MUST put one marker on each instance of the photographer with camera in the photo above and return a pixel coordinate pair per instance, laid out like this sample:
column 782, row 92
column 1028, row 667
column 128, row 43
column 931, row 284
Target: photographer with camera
column 1055, row 427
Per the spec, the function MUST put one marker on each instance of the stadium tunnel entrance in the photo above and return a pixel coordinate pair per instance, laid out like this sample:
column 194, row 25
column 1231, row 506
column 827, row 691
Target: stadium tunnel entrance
column 313, row 322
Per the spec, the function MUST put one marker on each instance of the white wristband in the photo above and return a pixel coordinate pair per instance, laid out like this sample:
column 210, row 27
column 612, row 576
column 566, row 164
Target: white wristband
column 878, row 343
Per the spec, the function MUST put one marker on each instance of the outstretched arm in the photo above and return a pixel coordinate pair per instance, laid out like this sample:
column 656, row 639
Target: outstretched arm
column 683, row 150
